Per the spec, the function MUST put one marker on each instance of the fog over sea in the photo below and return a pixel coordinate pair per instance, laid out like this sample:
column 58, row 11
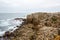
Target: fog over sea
column 7, row 22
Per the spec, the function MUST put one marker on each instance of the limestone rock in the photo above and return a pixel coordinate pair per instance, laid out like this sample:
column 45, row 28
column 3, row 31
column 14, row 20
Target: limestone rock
column 46, row 33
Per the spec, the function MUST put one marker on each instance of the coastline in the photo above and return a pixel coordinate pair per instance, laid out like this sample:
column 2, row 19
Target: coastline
column 35, row 25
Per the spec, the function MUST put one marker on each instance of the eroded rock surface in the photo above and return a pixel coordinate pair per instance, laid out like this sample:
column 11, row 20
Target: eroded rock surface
column 38, row 26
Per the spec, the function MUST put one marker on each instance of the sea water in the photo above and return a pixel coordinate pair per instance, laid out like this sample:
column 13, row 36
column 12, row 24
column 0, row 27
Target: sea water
column 7, row 22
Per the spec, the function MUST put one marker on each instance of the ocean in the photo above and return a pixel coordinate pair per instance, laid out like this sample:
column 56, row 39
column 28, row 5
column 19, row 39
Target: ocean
column 4, row 16
column 7, row 22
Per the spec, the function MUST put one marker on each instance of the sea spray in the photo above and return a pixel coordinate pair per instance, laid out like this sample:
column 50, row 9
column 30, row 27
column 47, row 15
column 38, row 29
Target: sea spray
column 9, row 25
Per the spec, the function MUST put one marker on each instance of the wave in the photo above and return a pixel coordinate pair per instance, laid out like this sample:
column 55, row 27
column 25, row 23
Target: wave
column 9, row 25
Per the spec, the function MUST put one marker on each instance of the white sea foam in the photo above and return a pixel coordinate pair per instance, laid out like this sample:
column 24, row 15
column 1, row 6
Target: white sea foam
column 8, row 25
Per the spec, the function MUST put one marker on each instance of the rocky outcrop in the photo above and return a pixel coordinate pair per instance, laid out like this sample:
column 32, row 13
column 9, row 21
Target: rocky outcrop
column 38, row 26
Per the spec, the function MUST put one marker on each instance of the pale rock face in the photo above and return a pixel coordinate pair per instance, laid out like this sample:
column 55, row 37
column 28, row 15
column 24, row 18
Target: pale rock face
column 47, row 33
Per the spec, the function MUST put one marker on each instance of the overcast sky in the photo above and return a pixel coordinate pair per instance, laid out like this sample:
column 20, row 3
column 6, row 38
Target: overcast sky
column 18, row 6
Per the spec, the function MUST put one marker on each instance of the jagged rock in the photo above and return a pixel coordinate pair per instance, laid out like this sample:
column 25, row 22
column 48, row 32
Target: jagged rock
column 38, row 26
column 29, row 18
column 24, row 33
column 46, row 33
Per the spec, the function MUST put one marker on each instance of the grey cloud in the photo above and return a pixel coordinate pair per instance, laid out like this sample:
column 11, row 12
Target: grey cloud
column 17, row 6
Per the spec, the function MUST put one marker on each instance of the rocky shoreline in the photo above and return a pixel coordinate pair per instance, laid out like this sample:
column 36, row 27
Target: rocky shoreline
column 37, row 26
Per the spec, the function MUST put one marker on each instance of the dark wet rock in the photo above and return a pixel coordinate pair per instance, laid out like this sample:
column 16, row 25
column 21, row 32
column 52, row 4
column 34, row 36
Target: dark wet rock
column 8, row 34
column 23, row 19
column 18, row 18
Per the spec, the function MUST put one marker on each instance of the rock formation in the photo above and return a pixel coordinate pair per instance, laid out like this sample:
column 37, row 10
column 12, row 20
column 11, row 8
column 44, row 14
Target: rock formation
column 38, row 26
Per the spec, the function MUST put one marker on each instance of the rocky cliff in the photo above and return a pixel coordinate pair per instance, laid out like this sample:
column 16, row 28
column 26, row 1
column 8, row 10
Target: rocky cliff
column 37, row 26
